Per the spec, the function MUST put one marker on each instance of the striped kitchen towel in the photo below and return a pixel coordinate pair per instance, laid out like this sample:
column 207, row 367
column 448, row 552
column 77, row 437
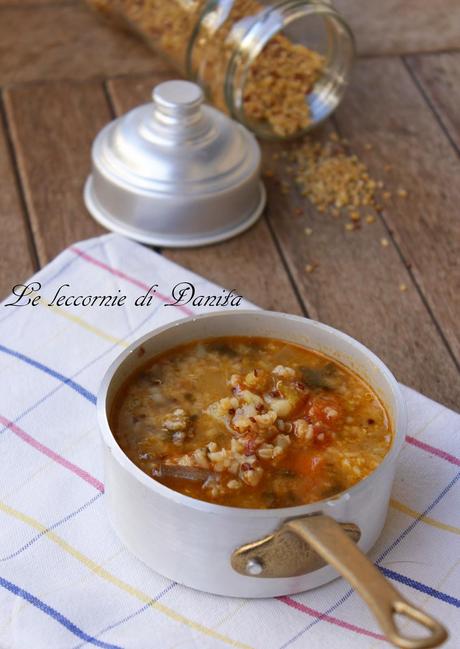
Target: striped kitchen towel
column 67, row 582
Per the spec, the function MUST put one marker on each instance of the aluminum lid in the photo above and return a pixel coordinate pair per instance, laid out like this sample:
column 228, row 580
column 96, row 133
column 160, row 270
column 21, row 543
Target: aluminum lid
column 175, row 172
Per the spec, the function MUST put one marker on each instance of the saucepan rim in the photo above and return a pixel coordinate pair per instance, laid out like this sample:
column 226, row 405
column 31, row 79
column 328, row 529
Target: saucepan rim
column 399, row 421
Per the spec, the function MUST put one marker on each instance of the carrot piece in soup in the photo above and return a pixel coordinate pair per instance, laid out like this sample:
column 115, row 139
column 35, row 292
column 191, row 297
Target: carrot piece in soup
column 308, row 464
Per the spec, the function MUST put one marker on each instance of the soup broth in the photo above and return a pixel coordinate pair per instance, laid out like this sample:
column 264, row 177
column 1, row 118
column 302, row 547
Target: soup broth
column 251, row 422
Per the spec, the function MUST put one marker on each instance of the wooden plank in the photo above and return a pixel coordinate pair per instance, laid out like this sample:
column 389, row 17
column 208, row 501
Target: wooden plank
column 66, row 41
column 52, row 127
column 403, row 26
column 356, row 288
column 394, row 119
column 240, row 263
column 16, row 254
column 34, row 3
column 438, row 77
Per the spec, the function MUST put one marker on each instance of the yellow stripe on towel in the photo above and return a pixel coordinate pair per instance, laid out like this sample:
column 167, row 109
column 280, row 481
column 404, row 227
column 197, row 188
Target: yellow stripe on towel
column 426, row 519
column 119, row 583
column 85, row 325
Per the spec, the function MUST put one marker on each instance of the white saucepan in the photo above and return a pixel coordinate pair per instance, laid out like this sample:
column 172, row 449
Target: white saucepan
column 261, row 553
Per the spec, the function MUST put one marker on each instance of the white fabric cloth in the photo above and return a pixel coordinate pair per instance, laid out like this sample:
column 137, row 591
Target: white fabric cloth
column 66, row 581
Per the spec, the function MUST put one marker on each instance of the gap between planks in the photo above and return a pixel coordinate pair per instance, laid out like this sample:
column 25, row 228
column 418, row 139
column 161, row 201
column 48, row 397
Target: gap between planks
column 16, row 230
column 437, row 80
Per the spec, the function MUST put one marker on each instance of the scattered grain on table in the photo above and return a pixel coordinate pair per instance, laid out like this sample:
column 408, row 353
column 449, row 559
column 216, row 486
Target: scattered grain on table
column 336, row 181
column 331, row 178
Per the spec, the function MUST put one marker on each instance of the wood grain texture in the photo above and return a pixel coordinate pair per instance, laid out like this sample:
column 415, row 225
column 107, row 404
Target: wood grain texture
column 66, row 41
column 52, row 127
column 394, row 119
column 16, row 258
column 402, row 26
column 356, row 288
column 34, row 3
column 83, row 46
column 249, row 263
column 439, row 78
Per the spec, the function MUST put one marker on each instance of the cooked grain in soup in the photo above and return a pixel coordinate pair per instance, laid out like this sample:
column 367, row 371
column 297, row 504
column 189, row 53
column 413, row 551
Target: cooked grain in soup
column 251, row 422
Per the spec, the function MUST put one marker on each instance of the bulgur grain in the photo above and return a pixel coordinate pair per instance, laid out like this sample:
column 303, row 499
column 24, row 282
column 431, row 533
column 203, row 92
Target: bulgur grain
column 330, row 178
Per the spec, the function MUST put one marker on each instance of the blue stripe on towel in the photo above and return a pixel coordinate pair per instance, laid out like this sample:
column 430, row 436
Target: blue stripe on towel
column 48, row 370
column 48, row 610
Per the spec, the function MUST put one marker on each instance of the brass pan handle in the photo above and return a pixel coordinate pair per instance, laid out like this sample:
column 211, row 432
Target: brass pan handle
column 322, row 540
column 328, row 540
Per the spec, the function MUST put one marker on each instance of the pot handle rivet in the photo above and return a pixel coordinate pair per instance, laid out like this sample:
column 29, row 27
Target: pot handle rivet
column 254, row 567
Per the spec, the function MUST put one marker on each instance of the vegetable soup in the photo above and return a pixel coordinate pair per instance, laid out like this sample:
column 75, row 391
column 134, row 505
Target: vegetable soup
column 251, row 422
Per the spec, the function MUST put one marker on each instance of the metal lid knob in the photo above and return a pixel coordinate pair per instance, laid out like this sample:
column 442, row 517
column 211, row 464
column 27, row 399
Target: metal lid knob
column 177, row 113
column 175, row 172
column 178, row 99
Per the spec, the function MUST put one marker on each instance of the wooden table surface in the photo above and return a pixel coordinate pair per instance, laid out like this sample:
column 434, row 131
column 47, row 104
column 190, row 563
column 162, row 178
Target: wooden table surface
column 64, row 75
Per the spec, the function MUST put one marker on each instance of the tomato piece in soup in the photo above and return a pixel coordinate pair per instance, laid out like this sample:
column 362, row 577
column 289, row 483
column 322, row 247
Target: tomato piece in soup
column 327, row 410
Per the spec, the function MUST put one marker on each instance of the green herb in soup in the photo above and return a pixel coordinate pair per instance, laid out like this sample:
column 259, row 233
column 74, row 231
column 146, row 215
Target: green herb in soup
column 251, row 422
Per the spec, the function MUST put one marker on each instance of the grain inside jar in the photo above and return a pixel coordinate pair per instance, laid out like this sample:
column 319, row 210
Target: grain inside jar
column 242, row 53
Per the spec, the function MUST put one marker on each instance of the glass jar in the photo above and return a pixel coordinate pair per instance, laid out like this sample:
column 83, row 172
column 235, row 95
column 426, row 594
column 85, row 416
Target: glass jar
column 280, row 68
